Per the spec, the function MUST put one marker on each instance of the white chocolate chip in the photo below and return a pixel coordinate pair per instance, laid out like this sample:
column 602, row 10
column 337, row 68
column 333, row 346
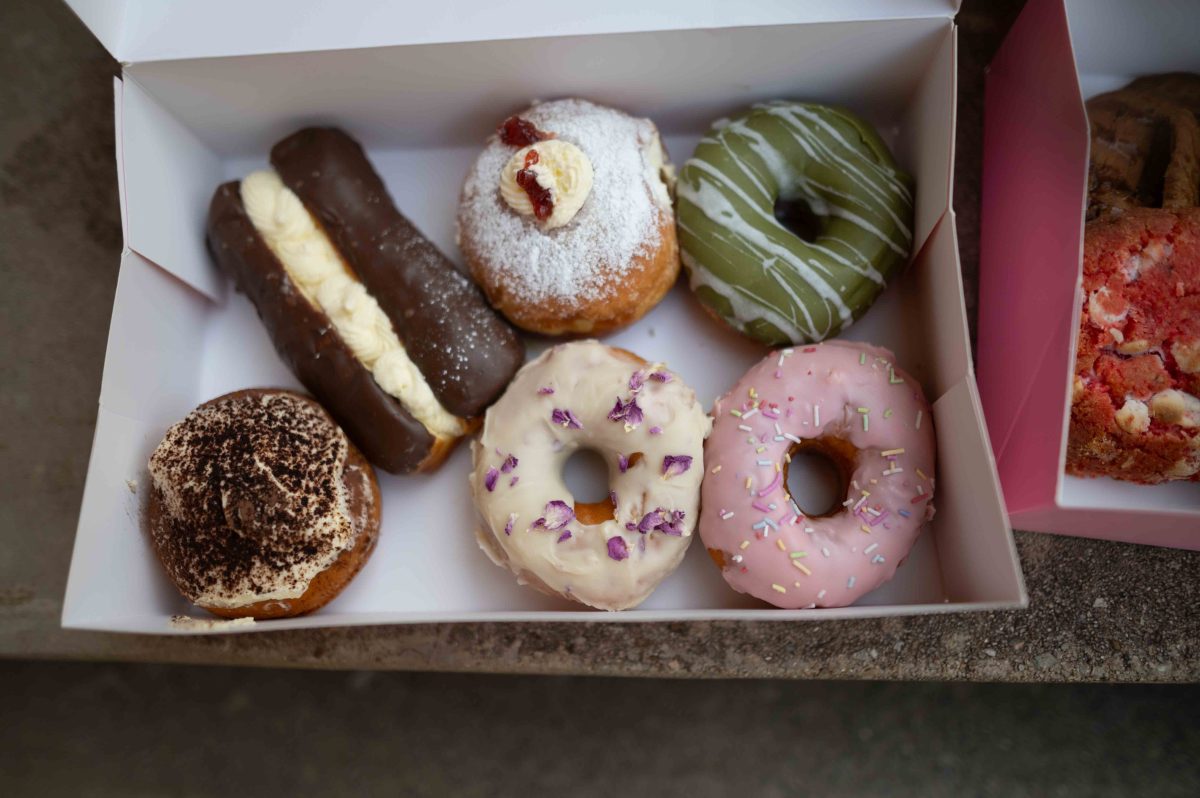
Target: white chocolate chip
column 1133, row 417
column 1104, row 311
column 1183, row 469
column 1176, row 407
column 1187, row 355
column 1135, row 347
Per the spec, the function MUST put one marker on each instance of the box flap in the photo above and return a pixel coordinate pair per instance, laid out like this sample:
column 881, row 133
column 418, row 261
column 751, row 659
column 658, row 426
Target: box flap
column 1034, row 178
column 164, row 218
column 205, row 28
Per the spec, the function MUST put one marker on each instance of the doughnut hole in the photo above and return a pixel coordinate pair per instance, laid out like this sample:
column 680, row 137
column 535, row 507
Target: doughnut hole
column 586, row 475
column 798, row 217
column 819, row 474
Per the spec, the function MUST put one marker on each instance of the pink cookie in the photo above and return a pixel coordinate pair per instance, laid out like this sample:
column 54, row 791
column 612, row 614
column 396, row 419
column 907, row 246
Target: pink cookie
column 850, row 402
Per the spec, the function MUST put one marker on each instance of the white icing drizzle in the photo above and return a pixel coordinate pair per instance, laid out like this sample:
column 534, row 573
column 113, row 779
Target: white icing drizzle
column 755, row 231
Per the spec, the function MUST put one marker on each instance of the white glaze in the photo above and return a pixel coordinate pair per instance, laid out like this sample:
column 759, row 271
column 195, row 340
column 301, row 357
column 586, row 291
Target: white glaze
column 588, row 378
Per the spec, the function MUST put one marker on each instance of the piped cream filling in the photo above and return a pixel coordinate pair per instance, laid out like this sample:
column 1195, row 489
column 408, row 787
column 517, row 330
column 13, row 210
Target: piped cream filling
column 314, row 265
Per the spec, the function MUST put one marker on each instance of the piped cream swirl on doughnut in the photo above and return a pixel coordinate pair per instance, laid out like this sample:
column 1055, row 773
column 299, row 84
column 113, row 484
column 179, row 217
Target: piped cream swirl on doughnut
column 321, row 274
column 649, row 428
column 854, row 403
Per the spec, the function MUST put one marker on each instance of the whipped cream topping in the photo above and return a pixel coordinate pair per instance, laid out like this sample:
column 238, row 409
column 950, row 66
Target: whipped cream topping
column 558, row 167
column 314, row 265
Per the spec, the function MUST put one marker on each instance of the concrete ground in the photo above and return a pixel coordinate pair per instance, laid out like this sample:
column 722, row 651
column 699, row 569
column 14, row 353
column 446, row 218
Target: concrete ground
column 100, row 730
column 141, row 730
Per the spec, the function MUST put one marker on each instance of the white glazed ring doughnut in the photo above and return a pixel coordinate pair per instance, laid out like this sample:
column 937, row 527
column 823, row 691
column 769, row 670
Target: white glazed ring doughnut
column 646, row 424
column 852, row 403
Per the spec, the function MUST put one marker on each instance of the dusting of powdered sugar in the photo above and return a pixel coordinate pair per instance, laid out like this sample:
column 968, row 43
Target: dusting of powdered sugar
column 620, row 219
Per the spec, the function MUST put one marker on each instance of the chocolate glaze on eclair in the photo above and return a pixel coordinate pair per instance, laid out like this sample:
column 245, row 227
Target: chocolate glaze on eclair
column 308, row 343
column 466, row 352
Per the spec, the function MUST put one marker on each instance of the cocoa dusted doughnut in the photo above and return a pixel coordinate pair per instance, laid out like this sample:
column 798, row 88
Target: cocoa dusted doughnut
column 854, row 404
column 566, row 221
column 399, row 346
column 260, row 506
column 650, row 429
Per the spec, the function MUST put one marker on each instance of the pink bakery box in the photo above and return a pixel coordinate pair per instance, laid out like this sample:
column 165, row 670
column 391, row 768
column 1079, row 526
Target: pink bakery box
column 1035, row 163
column 207, row 87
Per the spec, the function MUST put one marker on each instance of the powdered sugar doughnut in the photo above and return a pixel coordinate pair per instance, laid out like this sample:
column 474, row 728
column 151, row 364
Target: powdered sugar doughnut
column 852, row 403
column 566, row 220
column 650, row 429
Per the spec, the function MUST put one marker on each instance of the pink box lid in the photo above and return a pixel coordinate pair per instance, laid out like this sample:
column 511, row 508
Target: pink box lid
column 1036, row 143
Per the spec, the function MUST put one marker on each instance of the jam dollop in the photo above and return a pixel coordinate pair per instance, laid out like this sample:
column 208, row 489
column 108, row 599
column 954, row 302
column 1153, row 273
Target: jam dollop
column 540, row 198
column 518, row 132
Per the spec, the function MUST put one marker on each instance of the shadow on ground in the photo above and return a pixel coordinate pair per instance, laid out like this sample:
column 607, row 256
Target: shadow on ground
column 100, row 730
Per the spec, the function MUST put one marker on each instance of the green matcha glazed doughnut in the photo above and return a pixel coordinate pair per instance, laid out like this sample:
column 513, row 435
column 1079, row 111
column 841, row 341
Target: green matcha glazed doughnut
column 755, row 273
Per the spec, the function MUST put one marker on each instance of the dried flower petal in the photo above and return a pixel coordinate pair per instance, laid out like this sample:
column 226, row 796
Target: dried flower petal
column 656, row 430
column 563, row 536
column 512, row 482
column 565, row 418
column 672, row 523
column 512, row 517
column 617, row 548
column 675, row 464
column 556, row 516
column 650, row 521
column 626, row 411
column 661, row 376
column 510, row 463
column 612, row 497
column 622, row 463
column 637, row 380
column 489, row 479
column 545, row 391
column 669, row 522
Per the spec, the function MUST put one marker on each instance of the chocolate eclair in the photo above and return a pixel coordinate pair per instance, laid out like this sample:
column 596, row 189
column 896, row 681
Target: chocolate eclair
column 400, row 347
column 260, row 506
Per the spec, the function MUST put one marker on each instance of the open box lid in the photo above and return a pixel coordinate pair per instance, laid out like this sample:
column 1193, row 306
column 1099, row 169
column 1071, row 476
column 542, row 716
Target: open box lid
column 137, row 32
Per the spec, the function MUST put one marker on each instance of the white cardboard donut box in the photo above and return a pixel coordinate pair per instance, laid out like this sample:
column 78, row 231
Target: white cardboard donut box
column 207, row 87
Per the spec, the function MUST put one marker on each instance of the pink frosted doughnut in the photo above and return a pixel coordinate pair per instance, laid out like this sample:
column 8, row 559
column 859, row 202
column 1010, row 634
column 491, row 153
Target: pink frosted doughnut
column 852, row 403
